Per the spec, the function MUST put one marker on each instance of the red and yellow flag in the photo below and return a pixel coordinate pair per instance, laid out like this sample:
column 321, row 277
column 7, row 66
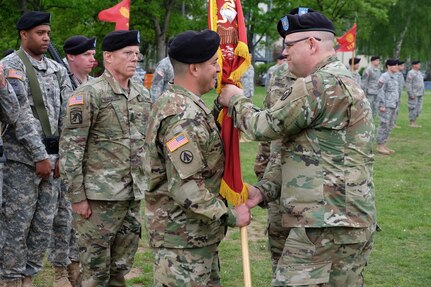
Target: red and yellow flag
column 119, row 14
column 226, row 18
column 348, row 40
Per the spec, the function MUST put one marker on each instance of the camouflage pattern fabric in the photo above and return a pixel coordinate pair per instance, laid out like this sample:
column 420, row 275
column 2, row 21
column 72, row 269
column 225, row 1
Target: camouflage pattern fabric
column 163, row 75
column 269, row 74
column 400, row 79
column 247, row 81
column 101, row 151
column 108, row 241
column 184, row 158
column 357, row 78
column 370, row 85
column 171, row 266
column 324, row 179
column 388, row 97
column 28, row 212
column 30, row 215
column 415, row 90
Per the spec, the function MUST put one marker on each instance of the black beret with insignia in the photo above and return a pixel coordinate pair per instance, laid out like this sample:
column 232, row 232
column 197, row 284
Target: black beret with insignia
column 76, row 45
column 311, row 21
column 300, row 11
column 354, row 60
column 400, row 62
column 193, row 47
column 415, row 62
column 32, row 19
column 391, row 62
column 119, row 39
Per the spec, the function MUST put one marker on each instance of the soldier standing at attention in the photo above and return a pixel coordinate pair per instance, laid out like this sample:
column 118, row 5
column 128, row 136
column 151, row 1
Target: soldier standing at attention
column 163, row 75
column 31, row 176
column 280, row 60
column 415, row 90
column 247, row 81
column 63, row 254
column 324, row 178
column 101, row 158
column 387, row 102
column 355, row 63
column 186, row 216
column 370, row 81
column 400, row 79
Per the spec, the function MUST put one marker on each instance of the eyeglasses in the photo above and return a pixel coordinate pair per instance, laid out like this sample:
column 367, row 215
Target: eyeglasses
column 288, row 45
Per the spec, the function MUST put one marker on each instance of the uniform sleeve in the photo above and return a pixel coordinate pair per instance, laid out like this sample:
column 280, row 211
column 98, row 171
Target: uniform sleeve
column 66, row 91
column 186, row 180
column 364, row 82
column 409, row 84
column 381, row 98
column 9, row 105
column 73, row 141
column 157, row 83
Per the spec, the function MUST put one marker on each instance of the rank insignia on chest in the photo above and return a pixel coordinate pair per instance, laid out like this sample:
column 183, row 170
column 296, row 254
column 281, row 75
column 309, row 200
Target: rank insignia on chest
column 76, row 100
column 177, row 142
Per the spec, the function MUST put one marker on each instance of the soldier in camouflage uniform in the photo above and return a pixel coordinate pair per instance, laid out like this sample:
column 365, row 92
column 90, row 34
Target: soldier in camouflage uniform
column 400, row 79
column 63, row 254
column 415, row 90
column 163, row 75
column 186, row 216
column 355, row 63
column 101, row 151
column 324, row 178
column 370, row 81
column 9, row 112
column 280, row 60
column 387, row 100
column 31, row 176
column 280, row 81
column 247, row 81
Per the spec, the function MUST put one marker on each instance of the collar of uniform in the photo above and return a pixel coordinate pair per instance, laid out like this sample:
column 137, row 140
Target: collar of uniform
column 193, row 97
column 41, row 65
column 324, row 62
column 114, row 84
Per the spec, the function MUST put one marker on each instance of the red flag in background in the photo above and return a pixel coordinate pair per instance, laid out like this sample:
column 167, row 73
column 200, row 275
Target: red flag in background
column 119, row 14
column 226, row 18
column 348, row 40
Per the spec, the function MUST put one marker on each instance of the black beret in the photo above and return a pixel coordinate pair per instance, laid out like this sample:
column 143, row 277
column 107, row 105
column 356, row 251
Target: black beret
column 76, row 45
column 281, row 57
column 300, row 11
column 415, row 62
column 32, row 19
column 355, row 61
column 400, row 62
column 119, row 39
column 391, row 62
column 312, row 21
column 375, row 58
column 193, row 47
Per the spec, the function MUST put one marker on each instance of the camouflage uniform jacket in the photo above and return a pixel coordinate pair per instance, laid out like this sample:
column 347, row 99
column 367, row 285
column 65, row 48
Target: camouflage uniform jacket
column 415, row 83
column 357, row 78
column 163, row 75
column 325, row 177
column 247, row 81
column 370, row 80
column 185, row 163
column 102, row 143
column 73, row 78
column 400, row 80
column 9, row 106
column 388, row 94
column 22, row 144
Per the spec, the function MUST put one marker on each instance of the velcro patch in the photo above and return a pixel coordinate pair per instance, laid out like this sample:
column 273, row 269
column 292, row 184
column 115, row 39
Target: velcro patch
column 178, row 141
column 15, row 74
column 75, row 100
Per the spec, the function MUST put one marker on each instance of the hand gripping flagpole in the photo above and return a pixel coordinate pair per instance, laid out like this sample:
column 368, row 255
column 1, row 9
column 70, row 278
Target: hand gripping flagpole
column 226, row 18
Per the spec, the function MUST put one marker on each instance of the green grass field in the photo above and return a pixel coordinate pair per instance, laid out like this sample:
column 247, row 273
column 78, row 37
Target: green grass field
column 402, row 251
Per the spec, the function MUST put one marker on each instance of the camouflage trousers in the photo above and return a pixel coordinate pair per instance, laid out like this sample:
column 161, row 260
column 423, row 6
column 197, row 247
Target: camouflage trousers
column 1, row 204
column 197, row 267
column 277, row 234
column 415, row 107
column 386, row 124
column 108, row 241
column 373, row 104
column 397, row 110
column 324, row 257
column 29, row 205
column 63, row 247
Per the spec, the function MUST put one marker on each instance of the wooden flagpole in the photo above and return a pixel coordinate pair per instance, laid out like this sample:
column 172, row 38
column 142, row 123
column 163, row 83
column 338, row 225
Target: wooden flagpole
column 245, row 256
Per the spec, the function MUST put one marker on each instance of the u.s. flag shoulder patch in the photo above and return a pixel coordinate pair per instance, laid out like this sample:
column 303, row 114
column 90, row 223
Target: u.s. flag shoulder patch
column 76, row 100
column 176, row 142
column 15, row 74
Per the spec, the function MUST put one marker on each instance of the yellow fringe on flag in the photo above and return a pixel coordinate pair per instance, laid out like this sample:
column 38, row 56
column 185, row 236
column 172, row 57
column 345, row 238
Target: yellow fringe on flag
column 234, row 197
column 241, row 50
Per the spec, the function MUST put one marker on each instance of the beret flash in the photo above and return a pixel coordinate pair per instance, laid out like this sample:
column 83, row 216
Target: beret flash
column 76, row 45
column 193, row 47
column 311, row 21
column 32, row 19
column 119, row 39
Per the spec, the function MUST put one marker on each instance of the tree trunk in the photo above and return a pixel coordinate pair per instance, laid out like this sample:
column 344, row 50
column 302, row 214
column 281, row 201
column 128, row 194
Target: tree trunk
column 399, row 43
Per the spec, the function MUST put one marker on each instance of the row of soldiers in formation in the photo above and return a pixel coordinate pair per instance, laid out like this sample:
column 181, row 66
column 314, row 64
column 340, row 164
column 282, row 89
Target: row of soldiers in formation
column 112, row 145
